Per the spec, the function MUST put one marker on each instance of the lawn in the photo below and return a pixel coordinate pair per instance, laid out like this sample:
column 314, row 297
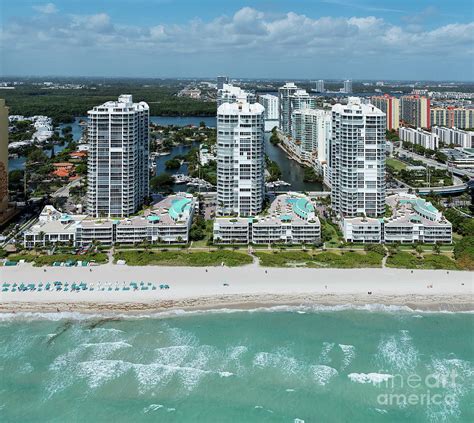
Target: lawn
column 203, row 242
column 184, row 258
column 325, row 259
column 45, row 260
column 396, row 164
column 407, row 260
column 330, row 233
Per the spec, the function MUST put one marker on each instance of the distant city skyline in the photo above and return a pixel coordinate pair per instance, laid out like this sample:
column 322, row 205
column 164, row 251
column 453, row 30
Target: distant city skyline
column 320, row 39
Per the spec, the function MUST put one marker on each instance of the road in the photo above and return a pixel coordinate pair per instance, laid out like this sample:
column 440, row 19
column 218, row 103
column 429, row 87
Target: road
column 20, row 230
column 436, row 164
column 64, row 191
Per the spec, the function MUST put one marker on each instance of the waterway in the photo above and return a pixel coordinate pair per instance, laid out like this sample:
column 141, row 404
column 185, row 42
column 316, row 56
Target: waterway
column 292, row 172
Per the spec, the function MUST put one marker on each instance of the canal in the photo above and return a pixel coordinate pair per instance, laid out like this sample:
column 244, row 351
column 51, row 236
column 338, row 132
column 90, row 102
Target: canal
column 292, row 172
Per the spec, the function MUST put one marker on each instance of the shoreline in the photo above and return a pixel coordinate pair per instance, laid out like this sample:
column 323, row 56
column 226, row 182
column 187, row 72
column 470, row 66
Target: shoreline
column 246, row 287
column 238, row 304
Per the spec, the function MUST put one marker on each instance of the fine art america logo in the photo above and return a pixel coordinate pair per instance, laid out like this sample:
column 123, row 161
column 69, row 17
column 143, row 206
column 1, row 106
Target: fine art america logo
column 414, row 390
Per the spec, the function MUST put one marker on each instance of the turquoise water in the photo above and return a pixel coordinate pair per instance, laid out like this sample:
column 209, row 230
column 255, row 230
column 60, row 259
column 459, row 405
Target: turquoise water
column 276, row 365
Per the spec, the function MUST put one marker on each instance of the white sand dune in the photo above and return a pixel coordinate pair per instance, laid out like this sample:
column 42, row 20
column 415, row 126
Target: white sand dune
column 201, row 288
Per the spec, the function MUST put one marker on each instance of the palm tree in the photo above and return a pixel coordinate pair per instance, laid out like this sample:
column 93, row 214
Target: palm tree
column 419, row 249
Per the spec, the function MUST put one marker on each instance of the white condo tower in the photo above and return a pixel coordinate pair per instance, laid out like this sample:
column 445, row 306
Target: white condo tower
column 358, row 159
column 118, row 170
column 240, row 159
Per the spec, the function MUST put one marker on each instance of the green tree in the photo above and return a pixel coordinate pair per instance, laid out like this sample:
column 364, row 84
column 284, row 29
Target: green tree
column 162, row 182
column 174, row 163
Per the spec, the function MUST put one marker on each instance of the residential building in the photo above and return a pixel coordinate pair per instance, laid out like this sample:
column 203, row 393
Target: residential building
column 53, row 227
column 240, row 158
column 391, row 107
column 118, row 174
column 362, row 229
column 299, row 100
column 270, row 102
column 358, row 159
column 454, row 136
column 347, row 86
column 191, row 92
column 207, row 154
column 166, row 222
column 231, row 94
column 419, row 137
column 453, row 117
column 413, row 220
column 310, row 131
column 3, row 157
column 439, row 116
column 415, row 111
column 291, row 219
column 221, row 80
column 320, row 86
column 284, row 116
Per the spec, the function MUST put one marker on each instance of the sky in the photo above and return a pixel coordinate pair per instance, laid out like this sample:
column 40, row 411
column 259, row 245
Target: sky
column 313, row 39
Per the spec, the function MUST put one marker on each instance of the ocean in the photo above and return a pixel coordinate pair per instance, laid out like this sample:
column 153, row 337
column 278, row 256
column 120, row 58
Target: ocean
column 283, row 364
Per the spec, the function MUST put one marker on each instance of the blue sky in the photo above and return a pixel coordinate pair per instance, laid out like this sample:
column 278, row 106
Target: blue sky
column 359, row 39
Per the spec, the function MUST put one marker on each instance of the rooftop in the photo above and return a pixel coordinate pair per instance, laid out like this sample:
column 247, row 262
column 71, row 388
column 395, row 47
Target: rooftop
column 240, row 108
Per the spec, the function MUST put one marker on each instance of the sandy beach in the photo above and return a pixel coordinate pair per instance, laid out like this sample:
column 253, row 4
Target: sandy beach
column 246, row 287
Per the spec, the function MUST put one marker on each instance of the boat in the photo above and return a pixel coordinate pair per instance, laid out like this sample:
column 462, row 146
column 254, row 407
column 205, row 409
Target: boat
column 277, row 183
column 179, row 178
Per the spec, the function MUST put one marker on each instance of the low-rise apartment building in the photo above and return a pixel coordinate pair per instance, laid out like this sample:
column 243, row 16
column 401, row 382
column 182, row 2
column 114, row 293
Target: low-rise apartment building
column 168, row 221
column 413, row 220
column 454, row 136
column 291, row 219
column 419, row 137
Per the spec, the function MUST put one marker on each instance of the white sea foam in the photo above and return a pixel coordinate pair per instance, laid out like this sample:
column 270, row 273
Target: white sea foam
column 322, row 374
column 397, row 352
column 316, row 308
column 324, row 357
column 226, row 374
column 373, row 378
column 279, row 360
column 349, row 354
column 152, row 407
column 99, row 372
column 174, row 354
column 106, row 347
column 25, row 368
column 454, row 377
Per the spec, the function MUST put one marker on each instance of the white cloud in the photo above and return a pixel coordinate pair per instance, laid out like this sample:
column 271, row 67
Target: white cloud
column 48, row 8
column 249, row 34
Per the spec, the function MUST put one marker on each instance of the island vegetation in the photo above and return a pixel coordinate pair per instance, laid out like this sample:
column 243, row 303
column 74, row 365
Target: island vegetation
column 274, row 171
column 63, row 105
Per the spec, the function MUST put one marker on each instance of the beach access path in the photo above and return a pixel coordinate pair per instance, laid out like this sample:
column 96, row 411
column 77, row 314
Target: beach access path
column 214, row 287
